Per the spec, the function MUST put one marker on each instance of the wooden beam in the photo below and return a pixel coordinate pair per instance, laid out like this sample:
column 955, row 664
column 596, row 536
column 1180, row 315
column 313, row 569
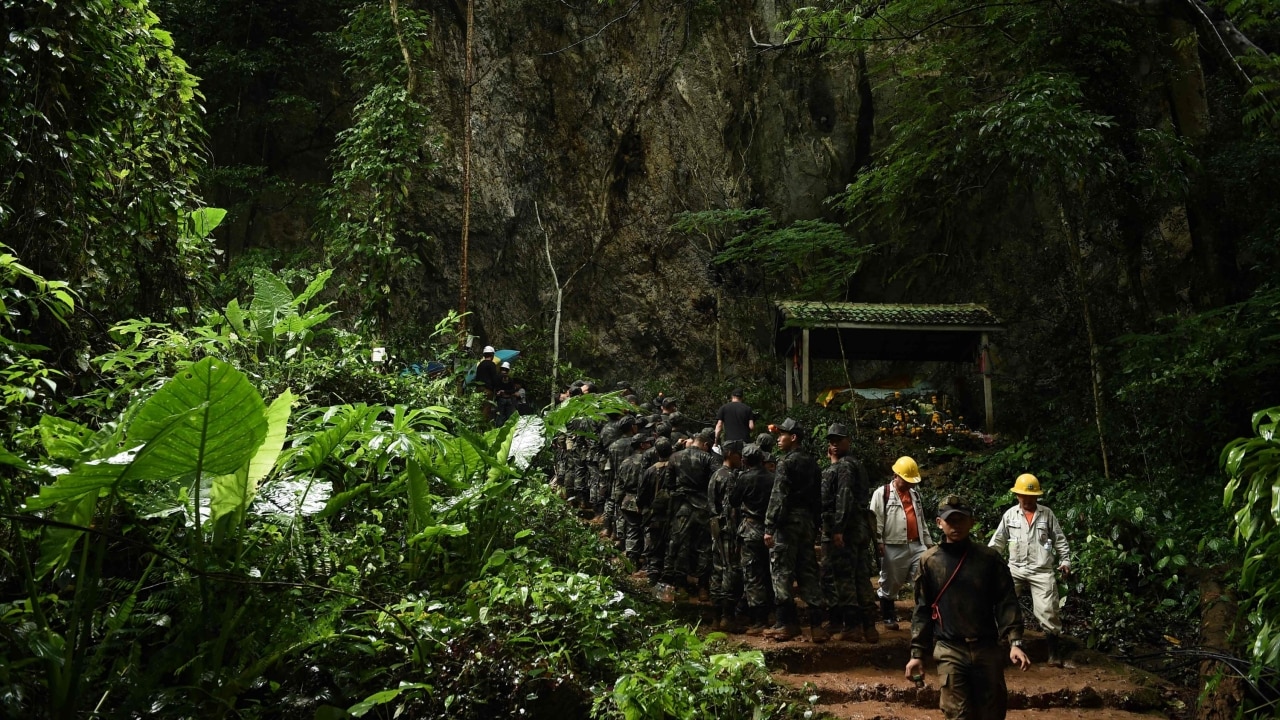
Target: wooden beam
column 787, row 370
column 986, row 385
column 804, row 370
column 900, row 326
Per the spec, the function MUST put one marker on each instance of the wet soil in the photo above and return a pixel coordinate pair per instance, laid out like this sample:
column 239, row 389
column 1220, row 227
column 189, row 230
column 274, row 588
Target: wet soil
column 860, row 680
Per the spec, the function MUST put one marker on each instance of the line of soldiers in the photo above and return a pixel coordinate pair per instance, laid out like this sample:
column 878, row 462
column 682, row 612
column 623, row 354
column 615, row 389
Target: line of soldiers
column 749, row 527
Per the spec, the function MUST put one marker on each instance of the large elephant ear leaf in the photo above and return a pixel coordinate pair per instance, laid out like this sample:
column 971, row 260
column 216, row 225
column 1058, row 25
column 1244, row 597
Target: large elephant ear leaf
column 206, row 421
column 225, row 432
column 231, row 494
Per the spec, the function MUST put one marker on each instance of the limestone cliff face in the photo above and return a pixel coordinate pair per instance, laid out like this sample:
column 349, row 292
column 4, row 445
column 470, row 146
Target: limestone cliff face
column 611, row 118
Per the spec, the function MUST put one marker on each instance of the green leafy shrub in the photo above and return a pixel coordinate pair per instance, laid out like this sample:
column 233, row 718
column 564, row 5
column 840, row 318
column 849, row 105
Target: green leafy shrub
column 1253, row 465
column 679, row 675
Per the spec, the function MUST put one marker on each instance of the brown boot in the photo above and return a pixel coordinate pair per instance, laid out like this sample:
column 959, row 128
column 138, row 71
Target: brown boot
column 788, row 625
column 851, row 627
column 817, row 634
column 869, row 632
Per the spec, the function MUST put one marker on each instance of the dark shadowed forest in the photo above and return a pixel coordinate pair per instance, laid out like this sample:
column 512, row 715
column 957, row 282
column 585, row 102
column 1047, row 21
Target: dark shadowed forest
column 250, row 253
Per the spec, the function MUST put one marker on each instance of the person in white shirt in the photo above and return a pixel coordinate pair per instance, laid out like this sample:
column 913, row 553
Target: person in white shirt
column 1029, row 532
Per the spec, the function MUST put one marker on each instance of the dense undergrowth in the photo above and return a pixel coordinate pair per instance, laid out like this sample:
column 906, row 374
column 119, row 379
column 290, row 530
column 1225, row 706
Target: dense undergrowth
column 361, row 549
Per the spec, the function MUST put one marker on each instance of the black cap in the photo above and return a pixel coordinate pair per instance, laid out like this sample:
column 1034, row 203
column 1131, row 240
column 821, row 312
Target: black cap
column 791, row 427
column 735, row 393
column 837, row 430
column 728, row 447
column 954, row 504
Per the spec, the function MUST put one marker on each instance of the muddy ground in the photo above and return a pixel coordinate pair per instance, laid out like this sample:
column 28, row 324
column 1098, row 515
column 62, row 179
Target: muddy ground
column 860, row 680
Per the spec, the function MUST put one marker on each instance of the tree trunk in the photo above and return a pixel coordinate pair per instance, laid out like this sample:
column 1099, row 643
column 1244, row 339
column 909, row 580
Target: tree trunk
column 1095, row 360
column 468, row 75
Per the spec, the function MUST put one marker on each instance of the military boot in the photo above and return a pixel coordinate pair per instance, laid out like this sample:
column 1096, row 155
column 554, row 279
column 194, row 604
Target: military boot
column 852, row 629
column 728, row 621
column 817, row 634
column 889, row 612
column 759, row 620
column 1055, row 651
column 869, row 632
column 787, row 626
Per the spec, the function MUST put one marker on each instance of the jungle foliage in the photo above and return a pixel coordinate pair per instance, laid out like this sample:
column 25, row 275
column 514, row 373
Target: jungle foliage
column 1095, row 172
column 203, row 468
column 243, row 515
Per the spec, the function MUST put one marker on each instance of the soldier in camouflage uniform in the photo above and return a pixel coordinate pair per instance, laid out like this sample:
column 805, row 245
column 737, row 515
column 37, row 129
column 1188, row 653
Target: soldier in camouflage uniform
column 726, row 572
column 578, row 449
column 654, row 501
column 846, row 534
column 629, row 476
column 790, row 531
column 615, row 453
column 750, row 495
column 965, row 606
column 689, row 544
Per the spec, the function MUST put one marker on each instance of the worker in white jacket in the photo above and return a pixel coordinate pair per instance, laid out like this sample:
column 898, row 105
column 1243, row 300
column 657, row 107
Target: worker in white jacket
column 1036, row 545
column 903, row 534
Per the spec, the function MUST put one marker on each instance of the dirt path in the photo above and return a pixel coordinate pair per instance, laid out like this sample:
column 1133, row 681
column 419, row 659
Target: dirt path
column 858, row 680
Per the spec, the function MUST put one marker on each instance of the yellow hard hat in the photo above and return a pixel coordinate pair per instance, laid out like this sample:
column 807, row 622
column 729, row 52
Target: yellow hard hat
column 1026, row 484
column 907, row 469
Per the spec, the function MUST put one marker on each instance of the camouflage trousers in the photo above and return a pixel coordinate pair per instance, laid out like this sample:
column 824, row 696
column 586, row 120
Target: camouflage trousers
column 602, row 496
column 757, row 585
column 792, row 560
column 972, row 680
column 726, row 572
column 631, row 530
column 579, row 477
column 846, row 577
column 655, row 545
column 688, row 544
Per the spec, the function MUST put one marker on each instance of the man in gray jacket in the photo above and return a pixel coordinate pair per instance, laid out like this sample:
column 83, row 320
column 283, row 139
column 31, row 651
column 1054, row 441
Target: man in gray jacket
column 1035, row 543
column 903, row 535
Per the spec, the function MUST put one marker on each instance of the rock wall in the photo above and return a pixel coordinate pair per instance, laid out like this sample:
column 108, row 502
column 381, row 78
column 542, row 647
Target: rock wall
column 605, row 120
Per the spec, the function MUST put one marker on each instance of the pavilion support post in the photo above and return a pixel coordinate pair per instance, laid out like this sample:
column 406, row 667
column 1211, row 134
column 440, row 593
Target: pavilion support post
column 788, row 371
column 986, row 385
column 804, row 370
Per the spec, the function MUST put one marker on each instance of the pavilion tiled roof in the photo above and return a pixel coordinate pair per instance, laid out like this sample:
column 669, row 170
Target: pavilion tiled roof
column 803, row 313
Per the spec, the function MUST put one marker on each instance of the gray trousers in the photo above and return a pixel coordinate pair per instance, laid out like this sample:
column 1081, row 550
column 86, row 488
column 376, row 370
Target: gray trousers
column 899, row 564
column 1043, row 588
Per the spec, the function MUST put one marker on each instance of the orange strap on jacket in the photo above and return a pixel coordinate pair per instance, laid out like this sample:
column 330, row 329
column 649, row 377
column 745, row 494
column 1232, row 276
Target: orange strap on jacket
column 934, row 614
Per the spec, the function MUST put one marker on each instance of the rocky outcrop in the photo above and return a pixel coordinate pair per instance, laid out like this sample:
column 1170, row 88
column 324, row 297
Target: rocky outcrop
column 609, row 119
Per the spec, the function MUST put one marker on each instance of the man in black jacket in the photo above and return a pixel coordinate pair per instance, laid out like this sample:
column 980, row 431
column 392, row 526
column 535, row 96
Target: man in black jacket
column 965, row 606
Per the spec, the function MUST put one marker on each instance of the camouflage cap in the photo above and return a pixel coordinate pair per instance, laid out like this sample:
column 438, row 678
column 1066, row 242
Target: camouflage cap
column 791, row 427
column 954, row 504
column 730, row 447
